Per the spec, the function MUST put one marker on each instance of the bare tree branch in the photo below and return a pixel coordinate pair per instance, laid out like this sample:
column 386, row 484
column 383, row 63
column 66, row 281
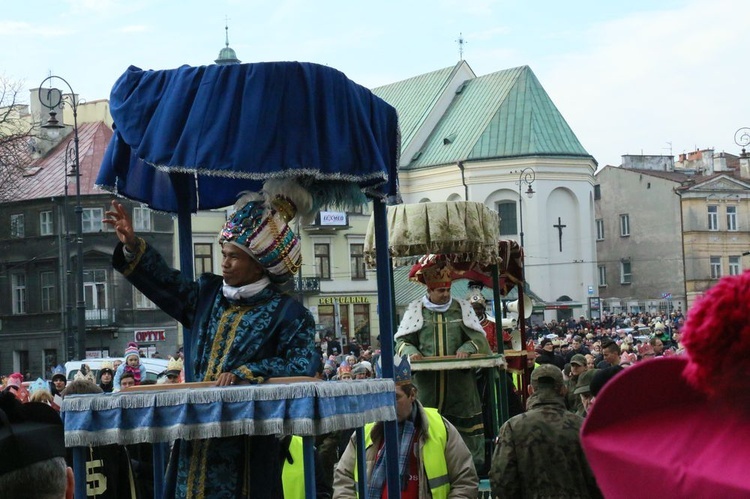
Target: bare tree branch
column 16, row 138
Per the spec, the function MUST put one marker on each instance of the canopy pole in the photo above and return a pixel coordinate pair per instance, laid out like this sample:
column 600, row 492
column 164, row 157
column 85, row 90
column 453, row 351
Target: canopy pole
column 503, row 383
column 387, row 317
column 185, row 242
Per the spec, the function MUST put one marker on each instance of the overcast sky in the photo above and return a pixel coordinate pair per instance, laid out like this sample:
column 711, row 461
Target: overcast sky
column 629, row 76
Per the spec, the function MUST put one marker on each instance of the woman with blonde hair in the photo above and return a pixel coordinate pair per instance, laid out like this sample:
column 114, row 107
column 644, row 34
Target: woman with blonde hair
column 43, row 396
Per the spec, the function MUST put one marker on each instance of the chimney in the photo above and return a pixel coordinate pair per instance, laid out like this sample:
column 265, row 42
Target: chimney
column 745, row 165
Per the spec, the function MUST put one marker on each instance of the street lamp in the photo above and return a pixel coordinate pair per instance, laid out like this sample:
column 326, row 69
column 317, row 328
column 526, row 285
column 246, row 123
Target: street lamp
column 51, row 101
column 742, row 139
column 526, row 176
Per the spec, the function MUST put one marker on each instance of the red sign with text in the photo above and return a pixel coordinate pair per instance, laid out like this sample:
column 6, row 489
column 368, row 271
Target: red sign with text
column 150, row 336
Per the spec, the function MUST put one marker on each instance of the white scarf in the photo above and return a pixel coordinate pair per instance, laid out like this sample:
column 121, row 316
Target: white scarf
column 436, row 308
column 246, row 291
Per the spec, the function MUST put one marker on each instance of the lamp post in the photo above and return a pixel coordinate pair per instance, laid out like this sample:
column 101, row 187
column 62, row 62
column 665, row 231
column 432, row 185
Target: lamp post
column 51, row 100
column 742, row 139
column 526, row 176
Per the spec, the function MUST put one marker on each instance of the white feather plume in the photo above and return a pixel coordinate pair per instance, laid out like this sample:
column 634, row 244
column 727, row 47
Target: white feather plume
column 290, row 188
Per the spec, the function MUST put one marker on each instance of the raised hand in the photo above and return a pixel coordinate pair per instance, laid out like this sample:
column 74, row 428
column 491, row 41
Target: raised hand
column 120, row 220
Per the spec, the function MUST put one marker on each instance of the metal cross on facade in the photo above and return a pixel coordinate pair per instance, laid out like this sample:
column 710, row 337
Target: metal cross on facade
column 559, row 228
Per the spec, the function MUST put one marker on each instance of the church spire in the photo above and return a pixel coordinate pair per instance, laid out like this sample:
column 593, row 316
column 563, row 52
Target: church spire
column 227, row 55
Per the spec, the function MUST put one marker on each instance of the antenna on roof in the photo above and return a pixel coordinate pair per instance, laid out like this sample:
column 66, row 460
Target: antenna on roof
column 461, row 42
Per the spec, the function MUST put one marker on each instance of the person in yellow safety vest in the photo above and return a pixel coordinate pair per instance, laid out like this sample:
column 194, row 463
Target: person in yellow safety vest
column 293, row 471
column 434, row 461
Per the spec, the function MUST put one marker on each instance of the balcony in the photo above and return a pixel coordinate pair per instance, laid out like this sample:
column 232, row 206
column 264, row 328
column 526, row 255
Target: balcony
column 307, row 285
column 100, row 317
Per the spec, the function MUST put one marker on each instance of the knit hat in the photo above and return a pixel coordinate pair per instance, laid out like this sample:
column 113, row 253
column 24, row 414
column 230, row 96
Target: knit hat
column 367, row 365
column 132, row 349
column 359, row 369
column 260, row 227
column 106, row 366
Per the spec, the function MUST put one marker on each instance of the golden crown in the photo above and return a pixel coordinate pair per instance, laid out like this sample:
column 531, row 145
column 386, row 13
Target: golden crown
column 438, row 275
column 174, row 364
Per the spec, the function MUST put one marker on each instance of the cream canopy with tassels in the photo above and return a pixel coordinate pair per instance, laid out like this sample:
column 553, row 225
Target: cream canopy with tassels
column 466, row 230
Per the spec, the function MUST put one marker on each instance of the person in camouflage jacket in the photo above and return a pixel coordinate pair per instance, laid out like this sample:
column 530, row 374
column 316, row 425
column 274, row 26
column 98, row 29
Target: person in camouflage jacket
column 539, row 452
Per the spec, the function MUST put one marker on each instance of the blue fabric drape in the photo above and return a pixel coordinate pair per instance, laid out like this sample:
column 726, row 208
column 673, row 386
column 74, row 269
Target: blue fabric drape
column 162, row 416
column 234, row 126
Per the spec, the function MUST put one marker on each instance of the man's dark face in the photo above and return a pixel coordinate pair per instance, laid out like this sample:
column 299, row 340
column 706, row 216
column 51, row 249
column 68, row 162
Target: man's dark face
column 478, row 308
column 238, row 268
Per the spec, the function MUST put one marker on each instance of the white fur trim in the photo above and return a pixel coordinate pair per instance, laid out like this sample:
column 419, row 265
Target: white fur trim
column 413, row 319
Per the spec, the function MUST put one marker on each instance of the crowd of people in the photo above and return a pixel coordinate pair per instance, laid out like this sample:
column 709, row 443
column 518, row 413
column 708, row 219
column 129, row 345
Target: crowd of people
column 623, row 339
column 245, row 330
column 121, row 471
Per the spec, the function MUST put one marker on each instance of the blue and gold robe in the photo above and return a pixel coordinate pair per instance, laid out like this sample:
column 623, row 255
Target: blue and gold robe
column 267, row 335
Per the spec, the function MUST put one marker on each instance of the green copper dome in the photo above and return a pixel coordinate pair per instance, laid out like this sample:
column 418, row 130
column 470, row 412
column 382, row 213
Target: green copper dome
column 227, row 54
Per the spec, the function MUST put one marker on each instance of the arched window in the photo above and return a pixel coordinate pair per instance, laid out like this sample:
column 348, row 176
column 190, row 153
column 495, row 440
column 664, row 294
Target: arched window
column 508, row 221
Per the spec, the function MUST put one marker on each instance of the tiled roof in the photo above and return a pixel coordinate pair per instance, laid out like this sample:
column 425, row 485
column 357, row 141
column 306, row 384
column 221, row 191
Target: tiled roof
column 674, row 176
column 503, row 114
column 46, row 177
column 414, row 98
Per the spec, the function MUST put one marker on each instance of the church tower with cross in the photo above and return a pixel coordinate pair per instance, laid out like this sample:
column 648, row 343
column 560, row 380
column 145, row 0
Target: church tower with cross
column 494, row 139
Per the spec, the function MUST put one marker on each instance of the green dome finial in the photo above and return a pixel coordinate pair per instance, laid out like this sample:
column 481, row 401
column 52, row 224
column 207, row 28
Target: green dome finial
column 227, row 54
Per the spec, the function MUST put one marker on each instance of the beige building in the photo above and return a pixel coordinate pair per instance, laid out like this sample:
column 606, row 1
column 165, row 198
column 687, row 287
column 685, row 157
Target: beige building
column 716, row 230
column 638, row 237
column 667, row 231
column 339, row 290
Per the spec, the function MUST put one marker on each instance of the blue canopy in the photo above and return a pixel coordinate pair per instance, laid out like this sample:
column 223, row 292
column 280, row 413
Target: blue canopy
column 230, row 127
column 192, row 138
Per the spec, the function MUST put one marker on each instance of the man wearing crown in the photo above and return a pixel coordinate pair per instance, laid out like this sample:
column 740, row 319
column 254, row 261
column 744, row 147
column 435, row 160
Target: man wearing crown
column 242, row 329
column 438, row 325
column 173, row 373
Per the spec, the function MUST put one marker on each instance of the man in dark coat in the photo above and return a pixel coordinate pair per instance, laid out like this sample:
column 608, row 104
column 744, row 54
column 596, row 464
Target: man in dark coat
column 548, row 355
column 539, row 452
